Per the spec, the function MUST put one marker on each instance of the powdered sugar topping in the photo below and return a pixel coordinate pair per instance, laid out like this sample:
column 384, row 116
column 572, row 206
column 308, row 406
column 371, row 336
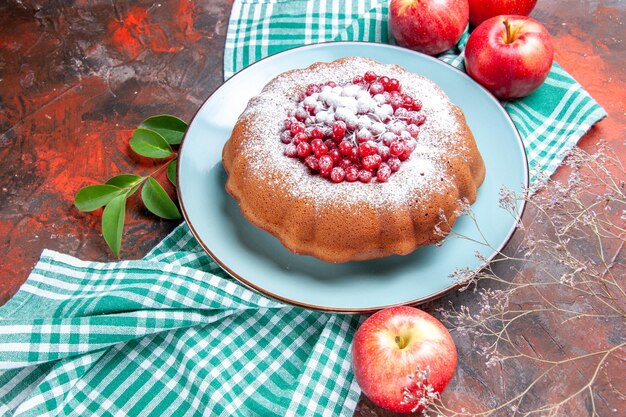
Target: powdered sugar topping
column 423, row 174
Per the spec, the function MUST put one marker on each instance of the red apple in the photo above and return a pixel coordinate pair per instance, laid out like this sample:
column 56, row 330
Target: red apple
column 392, row 346
column 511, row 56
column 428, row 26
column 481, row 10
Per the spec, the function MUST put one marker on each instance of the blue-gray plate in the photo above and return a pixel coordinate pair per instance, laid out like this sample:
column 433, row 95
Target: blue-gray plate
column 258, row 260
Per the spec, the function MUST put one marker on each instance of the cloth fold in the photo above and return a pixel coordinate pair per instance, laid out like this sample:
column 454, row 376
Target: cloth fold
column 172, row 334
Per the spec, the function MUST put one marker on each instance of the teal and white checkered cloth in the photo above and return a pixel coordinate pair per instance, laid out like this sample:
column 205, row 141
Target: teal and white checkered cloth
column 169, row 335
column 172, row 334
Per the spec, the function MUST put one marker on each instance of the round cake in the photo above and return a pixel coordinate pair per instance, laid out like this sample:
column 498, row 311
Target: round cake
column 352, row 160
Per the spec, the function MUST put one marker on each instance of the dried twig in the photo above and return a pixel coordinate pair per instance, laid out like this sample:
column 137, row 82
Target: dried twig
column 569, row 273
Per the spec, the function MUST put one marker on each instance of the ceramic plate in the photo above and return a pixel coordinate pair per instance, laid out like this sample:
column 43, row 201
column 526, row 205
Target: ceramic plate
column 257, row 259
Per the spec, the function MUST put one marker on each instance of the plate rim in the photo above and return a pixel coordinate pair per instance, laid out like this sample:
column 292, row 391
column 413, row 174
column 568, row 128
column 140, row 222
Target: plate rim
column 326, row 309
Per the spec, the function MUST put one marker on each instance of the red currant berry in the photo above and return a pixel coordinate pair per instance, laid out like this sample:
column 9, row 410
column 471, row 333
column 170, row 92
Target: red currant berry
column 299, row 138
column 364, row 135
column 397, row 128
column 413, row 130
column 394, row 164
column 301, row 114
column 394, row 85
column 290, row 151
column 395, row 101
column 339, row 130
column 331, row 84
column 312, row 89
column 384, row 152
column 296, row 128
column 315, row 143
column 384, row 172
column 367, row 148
column 317, row 133
column 370, row 76
column 285, row 137
column 312, row 162
column 410, row 144
column 405, row 155
column 304, row 149
column 326, row 163
column 330, row 144
column 352, row 124
column 345, row 147
column 387, row 138
column 417, row 118
column 384, row 81
column 345, row 163
column 365, row 176
column 335, row 155
column 417, row 105
column 337, row 174
column 397, row 148
column 321, row 151
column 357, row 79
column 354, row 158
column 352, row 173
column 318, row 147
column 376, row 88
column 371, row 162
column 401, row 113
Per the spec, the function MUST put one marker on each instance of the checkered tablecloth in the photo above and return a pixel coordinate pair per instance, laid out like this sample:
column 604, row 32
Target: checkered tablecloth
column 172, row 334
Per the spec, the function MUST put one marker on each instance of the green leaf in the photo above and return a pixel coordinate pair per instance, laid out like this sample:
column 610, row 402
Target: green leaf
column 95, row 196
column 149, row 143
column 157, row 201
column 129, row 182
column 113, row 223
column 134, row 188
column 124, row 180
column 171, row 172
column 170, row 127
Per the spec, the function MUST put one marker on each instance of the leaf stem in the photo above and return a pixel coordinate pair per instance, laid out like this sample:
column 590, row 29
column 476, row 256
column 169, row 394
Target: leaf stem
column 153, row 173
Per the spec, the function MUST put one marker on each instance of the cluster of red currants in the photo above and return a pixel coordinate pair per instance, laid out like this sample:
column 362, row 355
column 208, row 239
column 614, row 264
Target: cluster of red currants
column 354, row 132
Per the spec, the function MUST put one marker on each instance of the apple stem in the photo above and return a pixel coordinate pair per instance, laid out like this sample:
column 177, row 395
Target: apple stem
column 401, row 342
column 507, row 25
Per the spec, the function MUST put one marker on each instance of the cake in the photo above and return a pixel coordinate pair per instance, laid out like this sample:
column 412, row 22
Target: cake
column 352, row 160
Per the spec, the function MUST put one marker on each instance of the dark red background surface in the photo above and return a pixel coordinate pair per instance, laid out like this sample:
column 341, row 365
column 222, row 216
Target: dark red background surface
column 76, row 77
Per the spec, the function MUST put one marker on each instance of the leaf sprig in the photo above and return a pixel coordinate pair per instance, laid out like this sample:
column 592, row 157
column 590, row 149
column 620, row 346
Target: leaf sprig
column 154, row 138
